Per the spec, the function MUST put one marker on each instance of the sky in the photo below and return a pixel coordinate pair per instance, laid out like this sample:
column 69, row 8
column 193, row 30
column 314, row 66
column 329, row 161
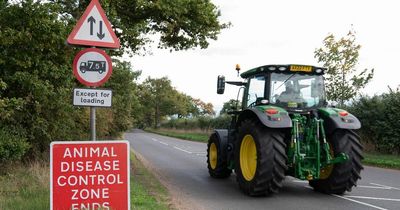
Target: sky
column 281, row 32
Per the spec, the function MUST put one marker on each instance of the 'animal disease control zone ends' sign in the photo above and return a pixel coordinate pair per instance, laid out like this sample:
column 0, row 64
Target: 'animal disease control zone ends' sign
column 89, row 175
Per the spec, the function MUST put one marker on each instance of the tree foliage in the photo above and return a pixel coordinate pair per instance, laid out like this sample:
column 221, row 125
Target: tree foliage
column 36, row 70
column 379, row 116
column 232, row 104
column 179, row 24
column 36, row 83
column 202, row 108
column 340, row 56
column 159, row 99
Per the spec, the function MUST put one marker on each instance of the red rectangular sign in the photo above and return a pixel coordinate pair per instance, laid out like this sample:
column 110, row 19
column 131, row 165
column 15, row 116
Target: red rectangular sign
column 89, row 175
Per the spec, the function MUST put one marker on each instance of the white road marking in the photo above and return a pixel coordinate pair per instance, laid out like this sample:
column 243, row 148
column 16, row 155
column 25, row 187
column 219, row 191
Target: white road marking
column 300, row 181
column 355, row 201
column 359, row 202
column 154, row 139
column 182, row 150
column 372, row 198
column 380, row 185
column 373, row 187
column 163, row 143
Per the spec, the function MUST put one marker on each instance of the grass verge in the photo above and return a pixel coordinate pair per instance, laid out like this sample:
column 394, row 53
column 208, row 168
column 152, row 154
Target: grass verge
column 201, row 137
column 382, row 160
column 26, row 186
column 146, row 191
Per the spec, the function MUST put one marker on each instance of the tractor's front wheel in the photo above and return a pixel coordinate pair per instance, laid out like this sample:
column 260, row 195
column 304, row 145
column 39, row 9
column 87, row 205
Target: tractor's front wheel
column 340, row 178
column 260, row 159
column 217, row 163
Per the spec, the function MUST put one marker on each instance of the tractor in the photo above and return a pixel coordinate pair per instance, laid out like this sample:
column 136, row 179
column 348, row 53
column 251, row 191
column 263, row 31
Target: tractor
column 284, row 127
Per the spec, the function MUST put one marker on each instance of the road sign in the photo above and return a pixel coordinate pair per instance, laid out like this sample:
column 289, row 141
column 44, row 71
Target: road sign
column 92, row 97
column 89, row 175
column 92, row 67
column 94, row 29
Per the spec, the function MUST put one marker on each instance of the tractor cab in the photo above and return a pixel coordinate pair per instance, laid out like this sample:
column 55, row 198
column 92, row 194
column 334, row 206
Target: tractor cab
column 296, row 88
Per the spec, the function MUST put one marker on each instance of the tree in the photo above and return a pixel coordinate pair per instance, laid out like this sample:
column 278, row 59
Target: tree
column 158, row 98
column 179, row 24
column 203, row 108
column 36, row 83
column 341, row 58
column 125, row 109
column 229, row 105
column 35, row 67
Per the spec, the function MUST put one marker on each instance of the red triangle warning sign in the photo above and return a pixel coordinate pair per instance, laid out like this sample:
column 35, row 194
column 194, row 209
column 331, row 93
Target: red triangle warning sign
column 93, row 29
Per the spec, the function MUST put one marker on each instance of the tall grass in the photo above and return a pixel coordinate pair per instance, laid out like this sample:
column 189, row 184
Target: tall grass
column 25, row 186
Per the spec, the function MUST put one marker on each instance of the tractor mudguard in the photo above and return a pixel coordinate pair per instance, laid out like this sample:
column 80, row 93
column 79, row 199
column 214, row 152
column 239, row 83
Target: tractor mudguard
column 270, row 116
column 338, row 119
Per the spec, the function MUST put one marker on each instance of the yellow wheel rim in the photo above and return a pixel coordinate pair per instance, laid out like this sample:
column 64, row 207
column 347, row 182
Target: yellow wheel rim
column 248, row 157
column 326, row 171
column 212, row 156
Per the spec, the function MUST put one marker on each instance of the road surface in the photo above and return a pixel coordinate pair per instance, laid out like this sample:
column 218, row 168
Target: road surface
column 182, row 166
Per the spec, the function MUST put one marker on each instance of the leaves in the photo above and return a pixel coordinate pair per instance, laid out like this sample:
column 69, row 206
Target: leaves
column 179, row 24
column 379, row 116
column 341, row 58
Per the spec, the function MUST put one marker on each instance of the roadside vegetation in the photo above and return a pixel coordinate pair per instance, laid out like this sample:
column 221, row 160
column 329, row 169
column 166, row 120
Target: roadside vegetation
column 146, row 190
column 27, row 186
column 182, row 134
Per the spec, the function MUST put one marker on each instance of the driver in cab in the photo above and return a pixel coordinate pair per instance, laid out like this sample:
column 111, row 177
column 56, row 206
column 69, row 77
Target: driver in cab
column 291, row 96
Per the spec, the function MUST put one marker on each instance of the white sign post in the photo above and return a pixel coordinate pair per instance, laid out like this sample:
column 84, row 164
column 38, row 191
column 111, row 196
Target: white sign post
column 92, row 97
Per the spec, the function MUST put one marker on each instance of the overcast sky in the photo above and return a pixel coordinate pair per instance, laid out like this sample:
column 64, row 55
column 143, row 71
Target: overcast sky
column 282, row 32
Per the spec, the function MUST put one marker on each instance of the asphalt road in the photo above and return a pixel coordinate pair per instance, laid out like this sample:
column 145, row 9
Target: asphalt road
column 182, row 167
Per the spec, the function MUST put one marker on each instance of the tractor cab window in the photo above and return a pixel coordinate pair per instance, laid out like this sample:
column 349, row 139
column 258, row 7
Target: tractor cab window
column 297, row 91
column 256, row 90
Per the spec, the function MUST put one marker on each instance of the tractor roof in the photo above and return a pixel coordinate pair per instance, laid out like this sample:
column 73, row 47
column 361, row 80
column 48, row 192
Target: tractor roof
column 288, row 69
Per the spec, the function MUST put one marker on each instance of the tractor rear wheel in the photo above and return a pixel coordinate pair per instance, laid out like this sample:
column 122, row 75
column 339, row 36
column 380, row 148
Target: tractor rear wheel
column 217, row 163
column 260, row 159
column 340, row 178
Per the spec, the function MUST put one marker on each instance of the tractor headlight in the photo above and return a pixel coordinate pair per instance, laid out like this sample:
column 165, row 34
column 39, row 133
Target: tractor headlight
column 272, row 68
column 318, row 71
column 282, row 68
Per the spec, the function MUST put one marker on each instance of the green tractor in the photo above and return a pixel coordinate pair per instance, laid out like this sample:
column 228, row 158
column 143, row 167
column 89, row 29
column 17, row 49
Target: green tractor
column 285, row 128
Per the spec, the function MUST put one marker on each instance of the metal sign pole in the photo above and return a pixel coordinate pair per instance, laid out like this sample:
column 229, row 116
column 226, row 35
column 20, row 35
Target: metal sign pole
column 93, row 123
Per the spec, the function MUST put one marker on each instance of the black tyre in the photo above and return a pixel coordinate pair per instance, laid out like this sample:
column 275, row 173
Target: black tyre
column 340, row 178
column 217, row 163
column 260, row 159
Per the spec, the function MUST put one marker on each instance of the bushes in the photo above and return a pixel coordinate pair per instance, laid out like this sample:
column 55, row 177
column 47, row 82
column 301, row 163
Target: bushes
column 380, row 117
column 204, row 123
column 13, row 145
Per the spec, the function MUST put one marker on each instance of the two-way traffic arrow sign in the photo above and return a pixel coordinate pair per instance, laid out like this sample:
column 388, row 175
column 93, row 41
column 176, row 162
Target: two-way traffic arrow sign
column 93, row 29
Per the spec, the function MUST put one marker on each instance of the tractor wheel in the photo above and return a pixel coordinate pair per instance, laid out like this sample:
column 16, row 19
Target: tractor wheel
column 260, row 159
column 217, row 162
column 340, row 178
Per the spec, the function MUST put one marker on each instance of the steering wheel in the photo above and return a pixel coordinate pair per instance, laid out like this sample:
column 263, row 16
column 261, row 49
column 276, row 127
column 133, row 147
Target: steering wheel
column 252, row 104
